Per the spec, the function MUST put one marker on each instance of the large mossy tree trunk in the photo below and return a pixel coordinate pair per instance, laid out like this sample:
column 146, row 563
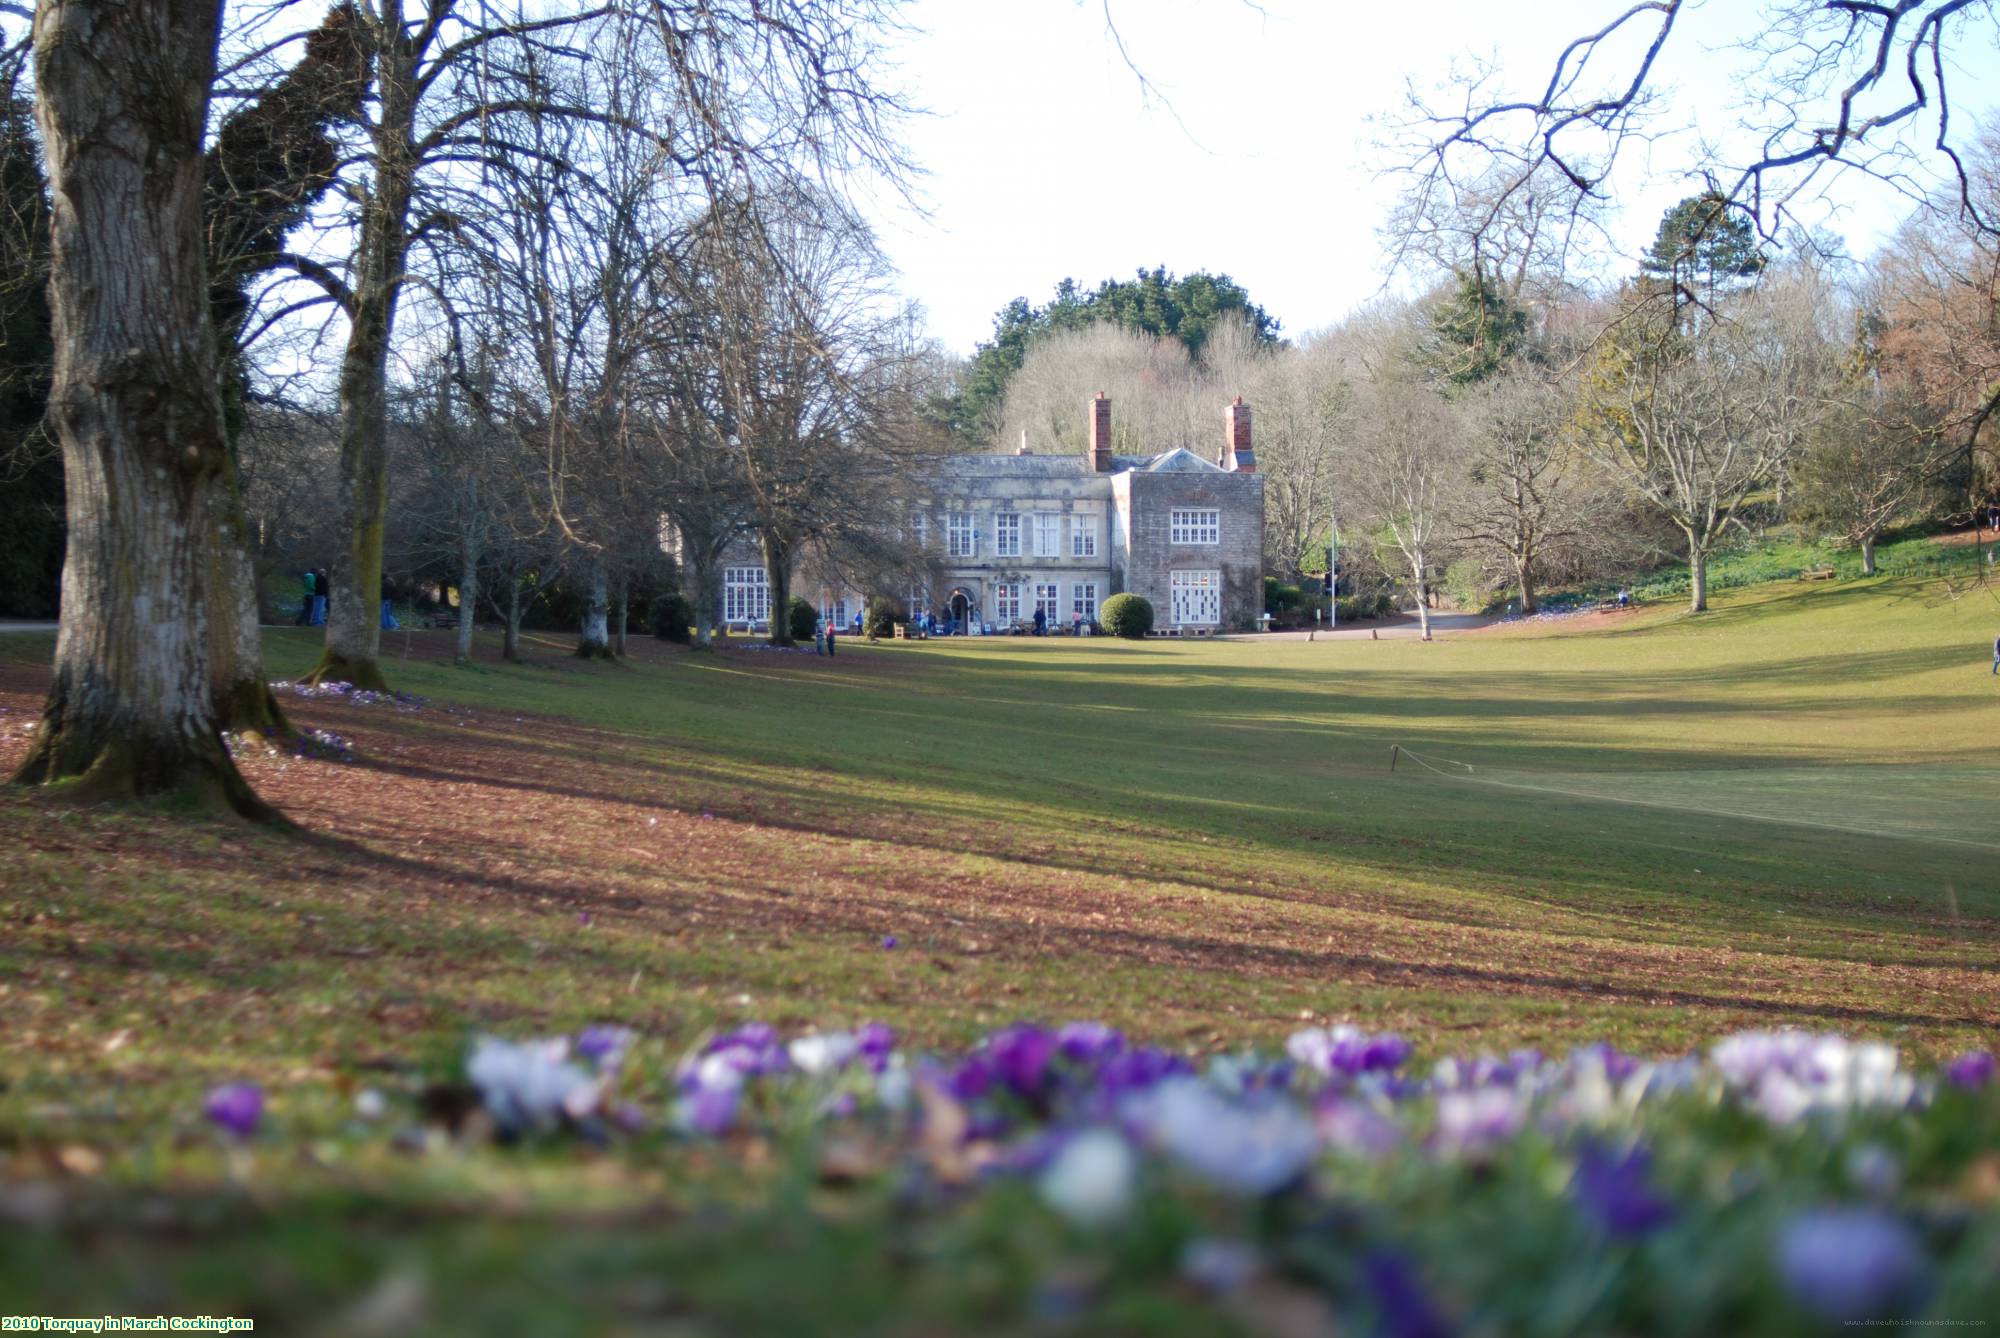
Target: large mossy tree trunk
column 122, row 100
column 1868, row 553
column 621, row 599
column 701, row 588
column 593, row 641
column 778, row 553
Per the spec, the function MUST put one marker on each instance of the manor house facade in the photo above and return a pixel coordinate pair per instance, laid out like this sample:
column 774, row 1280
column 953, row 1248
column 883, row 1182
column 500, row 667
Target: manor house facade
column 1020, row 533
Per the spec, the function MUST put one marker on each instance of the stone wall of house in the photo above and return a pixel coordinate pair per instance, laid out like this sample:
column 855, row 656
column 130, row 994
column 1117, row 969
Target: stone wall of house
column 1078, row 498
column 1145, row 502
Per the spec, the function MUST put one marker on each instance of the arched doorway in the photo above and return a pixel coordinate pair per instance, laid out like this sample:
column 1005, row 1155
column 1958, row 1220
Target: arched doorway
column 963, row 608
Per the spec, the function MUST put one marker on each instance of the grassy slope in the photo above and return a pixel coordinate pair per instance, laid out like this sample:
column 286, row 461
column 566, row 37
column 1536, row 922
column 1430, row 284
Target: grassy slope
column 1199, row 841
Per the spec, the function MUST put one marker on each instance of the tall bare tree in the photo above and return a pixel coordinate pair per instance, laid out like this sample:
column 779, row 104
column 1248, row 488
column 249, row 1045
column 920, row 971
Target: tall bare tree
column 1694, row 424
column 750, row 82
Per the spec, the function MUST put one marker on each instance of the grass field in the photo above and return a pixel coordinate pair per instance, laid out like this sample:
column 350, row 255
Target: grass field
column 1643, row 827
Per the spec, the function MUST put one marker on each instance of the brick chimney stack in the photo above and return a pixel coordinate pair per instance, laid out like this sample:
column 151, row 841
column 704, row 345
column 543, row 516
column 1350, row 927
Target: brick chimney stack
column 1237, row 455
column 1100, row 434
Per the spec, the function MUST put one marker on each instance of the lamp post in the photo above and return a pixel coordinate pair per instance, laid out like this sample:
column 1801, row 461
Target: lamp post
column 1333, row 577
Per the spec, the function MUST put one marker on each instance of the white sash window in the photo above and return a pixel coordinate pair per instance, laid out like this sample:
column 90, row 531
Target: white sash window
column 1007, row 535
column 1006, row 603
column 746, row 595
column 1048, row 534
column 1195, row 526
column 960, row 537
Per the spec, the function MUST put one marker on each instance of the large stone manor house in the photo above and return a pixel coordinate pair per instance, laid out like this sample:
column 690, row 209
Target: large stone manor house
column 1015, row 533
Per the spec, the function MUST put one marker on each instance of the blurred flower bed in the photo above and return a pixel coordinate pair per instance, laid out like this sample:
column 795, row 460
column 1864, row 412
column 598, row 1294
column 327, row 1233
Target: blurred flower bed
column 1779, row 1182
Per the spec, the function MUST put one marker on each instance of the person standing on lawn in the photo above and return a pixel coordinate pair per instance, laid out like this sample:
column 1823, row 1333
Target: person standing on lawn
column 306, row 601
column 1041, row 620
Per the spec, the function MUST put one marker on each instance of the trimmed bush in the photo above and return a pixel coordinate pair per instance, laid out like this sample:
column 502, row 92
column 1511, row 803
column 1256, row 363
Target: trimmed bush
column 882, row 617
column 802, row 620
column 1129, row 616
column 671, row 617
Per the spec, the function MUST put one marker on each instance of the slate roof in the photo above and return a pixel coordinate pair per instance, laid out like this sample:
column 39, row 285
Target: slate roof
column 1065, row 466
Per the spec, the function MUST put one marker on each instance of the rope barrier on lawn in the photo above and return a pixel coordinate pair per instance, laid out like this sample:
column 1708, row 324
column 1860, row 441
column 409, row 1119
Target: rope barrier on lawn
column 1397, row 750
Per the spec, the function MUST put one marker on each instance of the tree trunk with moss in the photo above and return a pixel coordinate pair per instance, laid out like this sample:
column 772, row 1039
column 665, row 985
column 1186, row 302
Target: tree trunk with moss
column 510, row 641
column 122, row 97
column 468, row 589
column 593, row 640
column 621, row 597
column 778, row 553
column 1697, row 575
column 353, row 618
column 244, row 702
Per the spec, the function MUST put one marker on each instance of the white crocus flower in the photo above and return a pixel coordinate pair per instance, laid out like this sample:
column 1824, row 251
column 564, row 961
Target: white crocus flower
column 1091, row 1180
column 825, row 1053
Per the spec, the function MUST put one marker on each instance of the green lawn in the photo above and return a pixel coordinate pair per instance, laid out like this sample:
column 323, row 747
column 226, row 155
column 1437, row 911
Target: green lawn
column 1650, row 828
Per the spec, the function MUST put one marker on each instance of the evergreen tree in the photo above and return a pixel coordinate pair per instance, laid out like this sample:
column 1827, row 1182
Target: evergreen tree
column 1476, row 330
column 1702, row 250
column 1188, row 308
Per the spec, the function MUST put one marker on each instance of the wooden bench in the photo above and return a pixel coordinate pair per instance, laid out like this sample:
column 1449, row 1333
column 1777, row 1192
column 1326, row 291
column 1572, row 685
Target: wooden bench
column 1817, row 574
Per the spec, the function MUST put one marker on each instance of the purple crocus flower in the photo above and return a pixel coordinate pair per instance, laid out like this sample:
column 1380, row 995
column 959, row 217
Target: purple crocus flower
column 1848, row 1264
column 878, row 1042
column 1385, row 1052
column 707, row 1109
column 1089, row 1042
column 1617, row 1067
column 1020, row 1056
column 1127, row 1075
column 1406, row 1311
column 1612, row 1189
column 1973, row 1070
column 1355, row 1127
column 889, row 941
column 753, row 1049
column 971, row 1079
column 603, row 1045
column 1477, row 1119
column 237, row 1107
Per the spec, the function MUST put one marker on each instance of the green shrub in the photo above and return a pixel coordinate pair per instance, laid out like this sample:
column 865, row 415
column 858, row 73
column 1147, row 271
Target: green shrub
column 1129, row 616
column 882, row 616
column 671, row 617
column 1355, row 608
column 802, row 620
column 1280, row 598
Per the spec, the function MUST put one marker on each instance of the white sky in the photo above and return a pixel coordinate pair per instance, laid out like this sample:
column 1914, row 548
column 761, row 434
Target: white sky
column 1046, row 160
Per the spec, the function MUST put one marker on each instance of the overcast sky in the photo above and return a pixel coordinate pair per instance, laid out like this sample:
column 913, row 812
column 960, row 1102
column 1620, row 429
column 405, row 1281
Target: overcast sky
column 1046, row 159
